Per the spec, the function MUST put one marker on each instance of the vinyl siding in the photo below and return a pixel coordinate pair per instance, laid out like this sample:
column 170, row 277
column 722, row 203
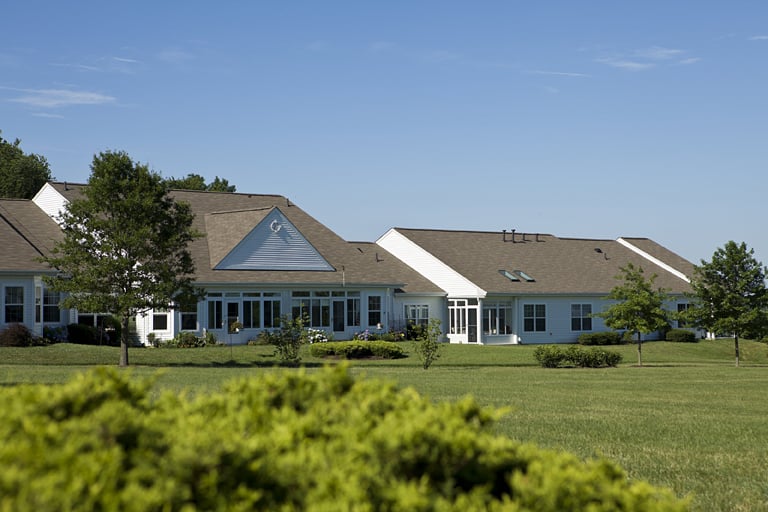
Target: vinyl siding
column 453, row 283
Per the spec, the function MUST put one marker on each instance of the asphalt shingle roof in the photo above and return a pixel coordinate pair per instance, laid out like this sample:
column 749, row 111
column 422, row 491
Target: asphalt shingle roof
column 225, row 218
column 26, row 234
column 558, row 265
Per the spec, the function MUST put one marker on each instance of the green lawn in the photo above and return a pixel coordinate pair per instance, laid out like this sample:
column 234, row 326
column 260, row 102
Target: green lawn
column 688, row 419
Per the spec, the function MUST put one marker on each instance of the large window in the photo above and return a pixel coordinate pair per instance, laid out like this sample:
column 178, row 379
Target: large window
column 215, row 311
column 51, row 311
column 189, row 315
column 497, row 319
column 160, row 320
column 417, row 314
column 681, row 309
column 353, row 309
column 534, row 317
column 14, row 304
column 252, row 310
column 374, row 310
column 581, row 317
column 271, row 310
column 315, row 306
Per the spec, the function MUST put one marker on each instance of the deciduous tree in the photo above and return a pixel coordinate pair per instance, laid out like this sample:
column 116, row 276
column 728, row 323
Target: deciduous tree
column 639, row 307
column 194, row 181
column 730, row 294
column 21, row 175
column 124, row 250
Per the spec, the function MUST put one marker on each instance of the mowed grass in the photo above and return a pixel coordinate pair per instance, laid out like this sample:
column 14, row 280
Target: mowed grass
column 688, row 419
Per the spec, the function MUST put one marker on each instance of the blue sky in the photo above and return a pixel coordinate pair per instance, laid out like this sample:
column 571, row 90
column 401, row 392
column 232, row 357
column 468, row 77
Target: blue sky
column 593, row 119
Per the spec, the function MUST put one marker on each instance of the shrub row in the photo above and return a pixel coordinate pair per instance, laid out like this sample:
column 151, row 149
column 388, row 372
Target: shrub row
column 681, row 336
column 186, row 339
column 358, row 349
column 554, row 356
column 18, row 335
column 285, row 441
column 601, row 338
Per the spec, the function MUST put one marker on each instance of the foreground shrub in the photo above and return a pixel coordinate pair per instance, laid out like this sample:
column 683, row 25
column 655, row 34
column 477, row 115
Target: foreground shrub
column 681, row 336
column 357, row 349
column 16, row 335
column 555, row 356
column 601, row 338
column 286, row 441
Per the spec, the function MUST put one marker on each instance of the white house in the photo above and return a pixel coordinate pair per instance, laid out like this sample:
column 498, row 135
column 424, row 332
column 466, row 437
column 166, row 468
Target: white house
column 509, row 288
column 261, row 257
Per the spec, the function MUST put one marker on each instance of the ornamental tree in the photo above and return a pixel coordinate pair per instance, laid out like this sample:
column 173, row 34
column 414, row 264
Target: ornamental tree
column 124, row 250
column 730, row 294
column 639, row 307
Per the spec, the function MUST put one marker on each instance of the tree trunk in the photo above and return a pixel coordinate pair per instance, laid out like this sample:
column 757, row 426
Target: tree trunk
column 736, row 346
column 124, row 341
column 639, row 350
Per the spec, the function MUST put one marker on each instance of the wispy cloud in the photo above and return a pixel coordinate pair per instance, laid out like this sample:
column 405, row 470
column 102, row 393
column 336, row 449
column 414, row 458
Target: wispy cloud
column 658, row 53
column 647, row 58
column 758, row 38
column 54, row 98
column 557, row 73
column 175, row 55
column 81, row 67
column 629, row 65
column 47, row 115
column 125, row 60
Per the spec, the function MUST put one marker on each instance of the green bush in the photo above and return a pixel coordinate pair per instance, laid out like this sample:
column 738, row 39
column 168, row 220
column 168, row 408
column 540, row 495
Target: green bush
column 16, row 335
column 287, row 441
column 186, row 339
column 681, row 336
column 82, row 334
column 549, row 356
column 601, row 338
column 555, row 356
column 357, row 349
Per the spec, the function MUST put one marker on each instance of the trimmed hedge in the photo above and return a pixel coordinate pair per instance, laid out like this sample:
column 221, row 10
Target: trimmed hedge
column 555, row 356
column 288, row 441
column 358, row 349
column 681, row 336
column 601, row 338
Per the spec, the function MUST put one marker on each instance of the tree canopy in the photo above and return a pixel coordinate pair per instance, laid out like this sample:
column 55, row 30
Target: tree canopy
column 194, row 181
column 21, row 175
column 639, row 307
column 730, row 294
column 125, row 244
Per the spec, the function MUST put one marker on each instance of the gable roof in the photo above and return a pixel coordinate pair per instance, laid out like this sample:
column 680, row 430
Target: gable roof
column 27, row 233
column 226, row 220
column 555, row 265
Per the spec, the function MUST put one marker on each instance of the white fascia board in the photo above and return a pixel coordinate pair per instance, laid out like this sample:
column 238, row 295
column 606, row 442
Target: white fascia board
column 426, row 264
column 653, row 259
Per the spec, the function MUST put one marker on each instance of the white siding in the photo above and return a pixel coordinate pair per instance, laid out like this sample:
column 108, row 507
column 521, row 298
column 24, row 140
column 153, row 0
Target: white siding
column 653, row 259
column 558, row 316
column 454, row 284
column 50, row 201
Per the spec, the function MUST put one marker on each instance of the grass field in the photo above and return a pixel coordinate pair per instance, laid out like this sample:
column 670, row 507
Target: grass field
column 688, row 419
